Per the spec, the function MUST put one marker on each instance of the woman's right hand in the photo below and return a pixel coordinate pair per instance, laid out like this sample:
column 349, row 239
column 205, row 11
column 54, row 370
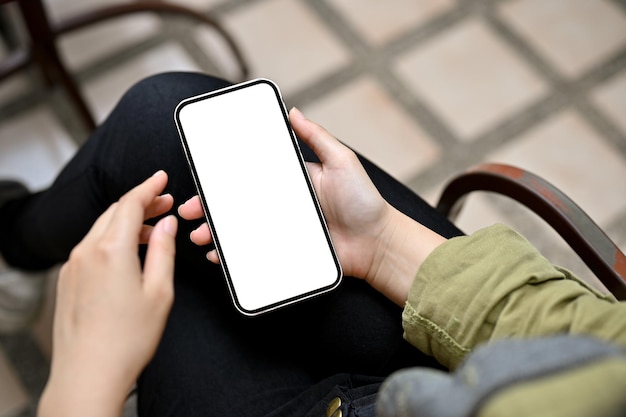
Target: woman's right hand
column 111, row 310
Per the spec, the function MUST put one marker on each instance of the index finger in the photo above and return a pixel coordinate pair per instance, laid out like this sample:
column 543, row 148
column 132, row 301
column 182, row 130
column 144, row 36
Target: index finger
column 191, row 209
column 129, row 215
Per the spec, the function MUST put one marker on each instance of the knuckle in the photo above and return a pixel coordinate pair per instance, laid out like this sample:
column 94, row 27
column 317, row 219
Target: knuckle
column 107, row 248
column 124, row 198
column 76, row 255
column 103, row 250
column 346, row 156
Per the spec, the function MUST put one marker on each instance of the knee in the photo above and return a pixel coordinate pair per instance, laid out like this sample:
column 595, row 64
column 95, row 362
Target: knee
column 161, row 93
column 178, row 83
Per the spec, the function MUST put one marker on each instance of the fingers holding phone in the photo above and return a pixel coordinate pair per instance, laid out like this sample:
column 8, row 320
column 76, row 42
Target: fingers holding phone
column 253, row 184
column 201, row 236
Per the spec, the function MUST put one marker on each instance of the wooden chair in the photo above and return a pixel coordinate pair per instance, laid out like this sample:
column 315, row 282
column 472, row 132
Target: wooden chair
column 584, row 236
column 43, row 34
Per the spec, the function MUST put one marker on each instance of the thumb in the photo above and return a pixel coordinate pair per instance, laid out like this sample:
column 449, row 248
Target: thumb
column 325, row 145
column 158, row 273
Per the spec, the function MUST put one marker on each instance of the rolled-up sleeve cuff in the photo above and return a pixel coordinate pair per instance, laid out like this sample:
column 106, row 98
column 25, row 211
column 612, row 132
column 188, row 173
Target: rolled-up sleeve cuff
column 463, row 293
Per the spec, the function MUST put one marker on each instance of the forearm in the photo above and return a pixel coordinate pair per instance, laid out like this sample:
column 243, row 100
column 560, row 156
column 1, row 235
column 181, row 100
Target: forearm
column 77, row 402
column 402, row 248
column 495, row 285
column 86, row 392
column 89, row 377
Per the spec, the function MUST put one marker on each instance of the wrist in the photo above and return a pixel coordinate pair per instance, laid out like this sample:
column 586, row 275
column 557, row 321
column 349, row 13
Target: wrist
column 67, row 401
column 400, row 251
column 82, row 389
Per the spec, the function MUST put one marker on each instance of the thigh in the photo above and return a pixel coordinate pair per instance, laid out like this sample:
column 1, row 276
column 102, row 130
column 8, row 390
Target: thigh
column 213, row 362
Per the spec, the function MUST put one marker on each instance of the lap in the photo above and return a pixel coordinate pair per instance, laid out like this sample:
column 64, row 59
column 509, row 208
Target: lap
column 214, row 361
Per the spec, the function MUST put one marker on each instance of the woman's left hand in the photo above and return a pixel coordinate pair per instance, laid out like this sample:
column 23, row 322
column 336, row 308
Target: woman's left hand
column 373, row 240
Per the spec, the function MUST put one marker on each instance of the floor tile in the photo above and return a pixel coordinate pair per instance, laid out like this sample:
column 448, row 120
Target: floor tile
column 478, row 212
column 85, row 46
column 216, row 48
column 470, row 78
column 381, row 21
column 363, row 116
column 284, row 41
column 103, row 92
column 13, row 397
column 572, row 35
column 610, row 97
column 33, row 148
column 565, row 151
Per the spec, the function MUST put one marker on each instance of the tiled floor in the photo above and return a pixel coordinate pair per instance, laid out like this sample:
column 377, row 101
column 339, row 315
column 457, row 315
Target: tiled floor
column 424, row 88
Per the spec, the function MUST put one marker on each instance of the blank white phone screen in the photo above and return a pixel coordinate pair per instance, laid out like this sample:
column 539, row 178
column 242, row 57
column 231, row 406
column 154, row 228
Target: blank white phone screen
column 269, row 231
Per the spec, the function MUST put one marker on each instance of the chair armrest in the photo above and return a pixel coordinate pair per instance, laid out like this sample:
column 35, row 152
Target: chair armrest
column 583, row 235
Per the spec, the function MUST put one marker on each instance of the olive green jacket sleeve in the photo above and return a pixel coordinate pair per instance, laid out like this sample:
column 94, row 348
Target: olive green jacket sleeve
column 494, row 285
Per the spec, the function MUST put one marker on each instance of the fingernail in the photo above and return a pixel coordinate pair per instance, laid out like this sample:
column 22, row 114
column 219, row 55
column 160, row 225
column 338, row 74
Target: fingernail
column 170, row 225
column 159, row 172
column 181, row 206
column 296, row 113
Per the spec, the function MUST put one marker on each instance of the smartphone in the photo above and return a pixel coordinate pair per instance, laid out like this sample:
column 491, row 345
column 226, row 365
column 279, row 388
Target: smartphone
column 267, row 224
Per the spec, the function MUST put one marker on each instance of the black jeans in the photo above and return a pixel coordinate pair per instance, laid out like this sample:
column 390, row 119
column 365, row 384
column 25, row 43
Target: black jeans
column 211, row 360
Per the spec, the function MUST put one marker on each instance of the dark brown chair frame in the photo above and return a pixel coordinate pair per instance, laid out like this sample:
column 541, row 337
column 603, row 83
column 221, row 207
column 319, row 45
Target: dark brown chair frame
column 44, row 53
column 583, row 235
